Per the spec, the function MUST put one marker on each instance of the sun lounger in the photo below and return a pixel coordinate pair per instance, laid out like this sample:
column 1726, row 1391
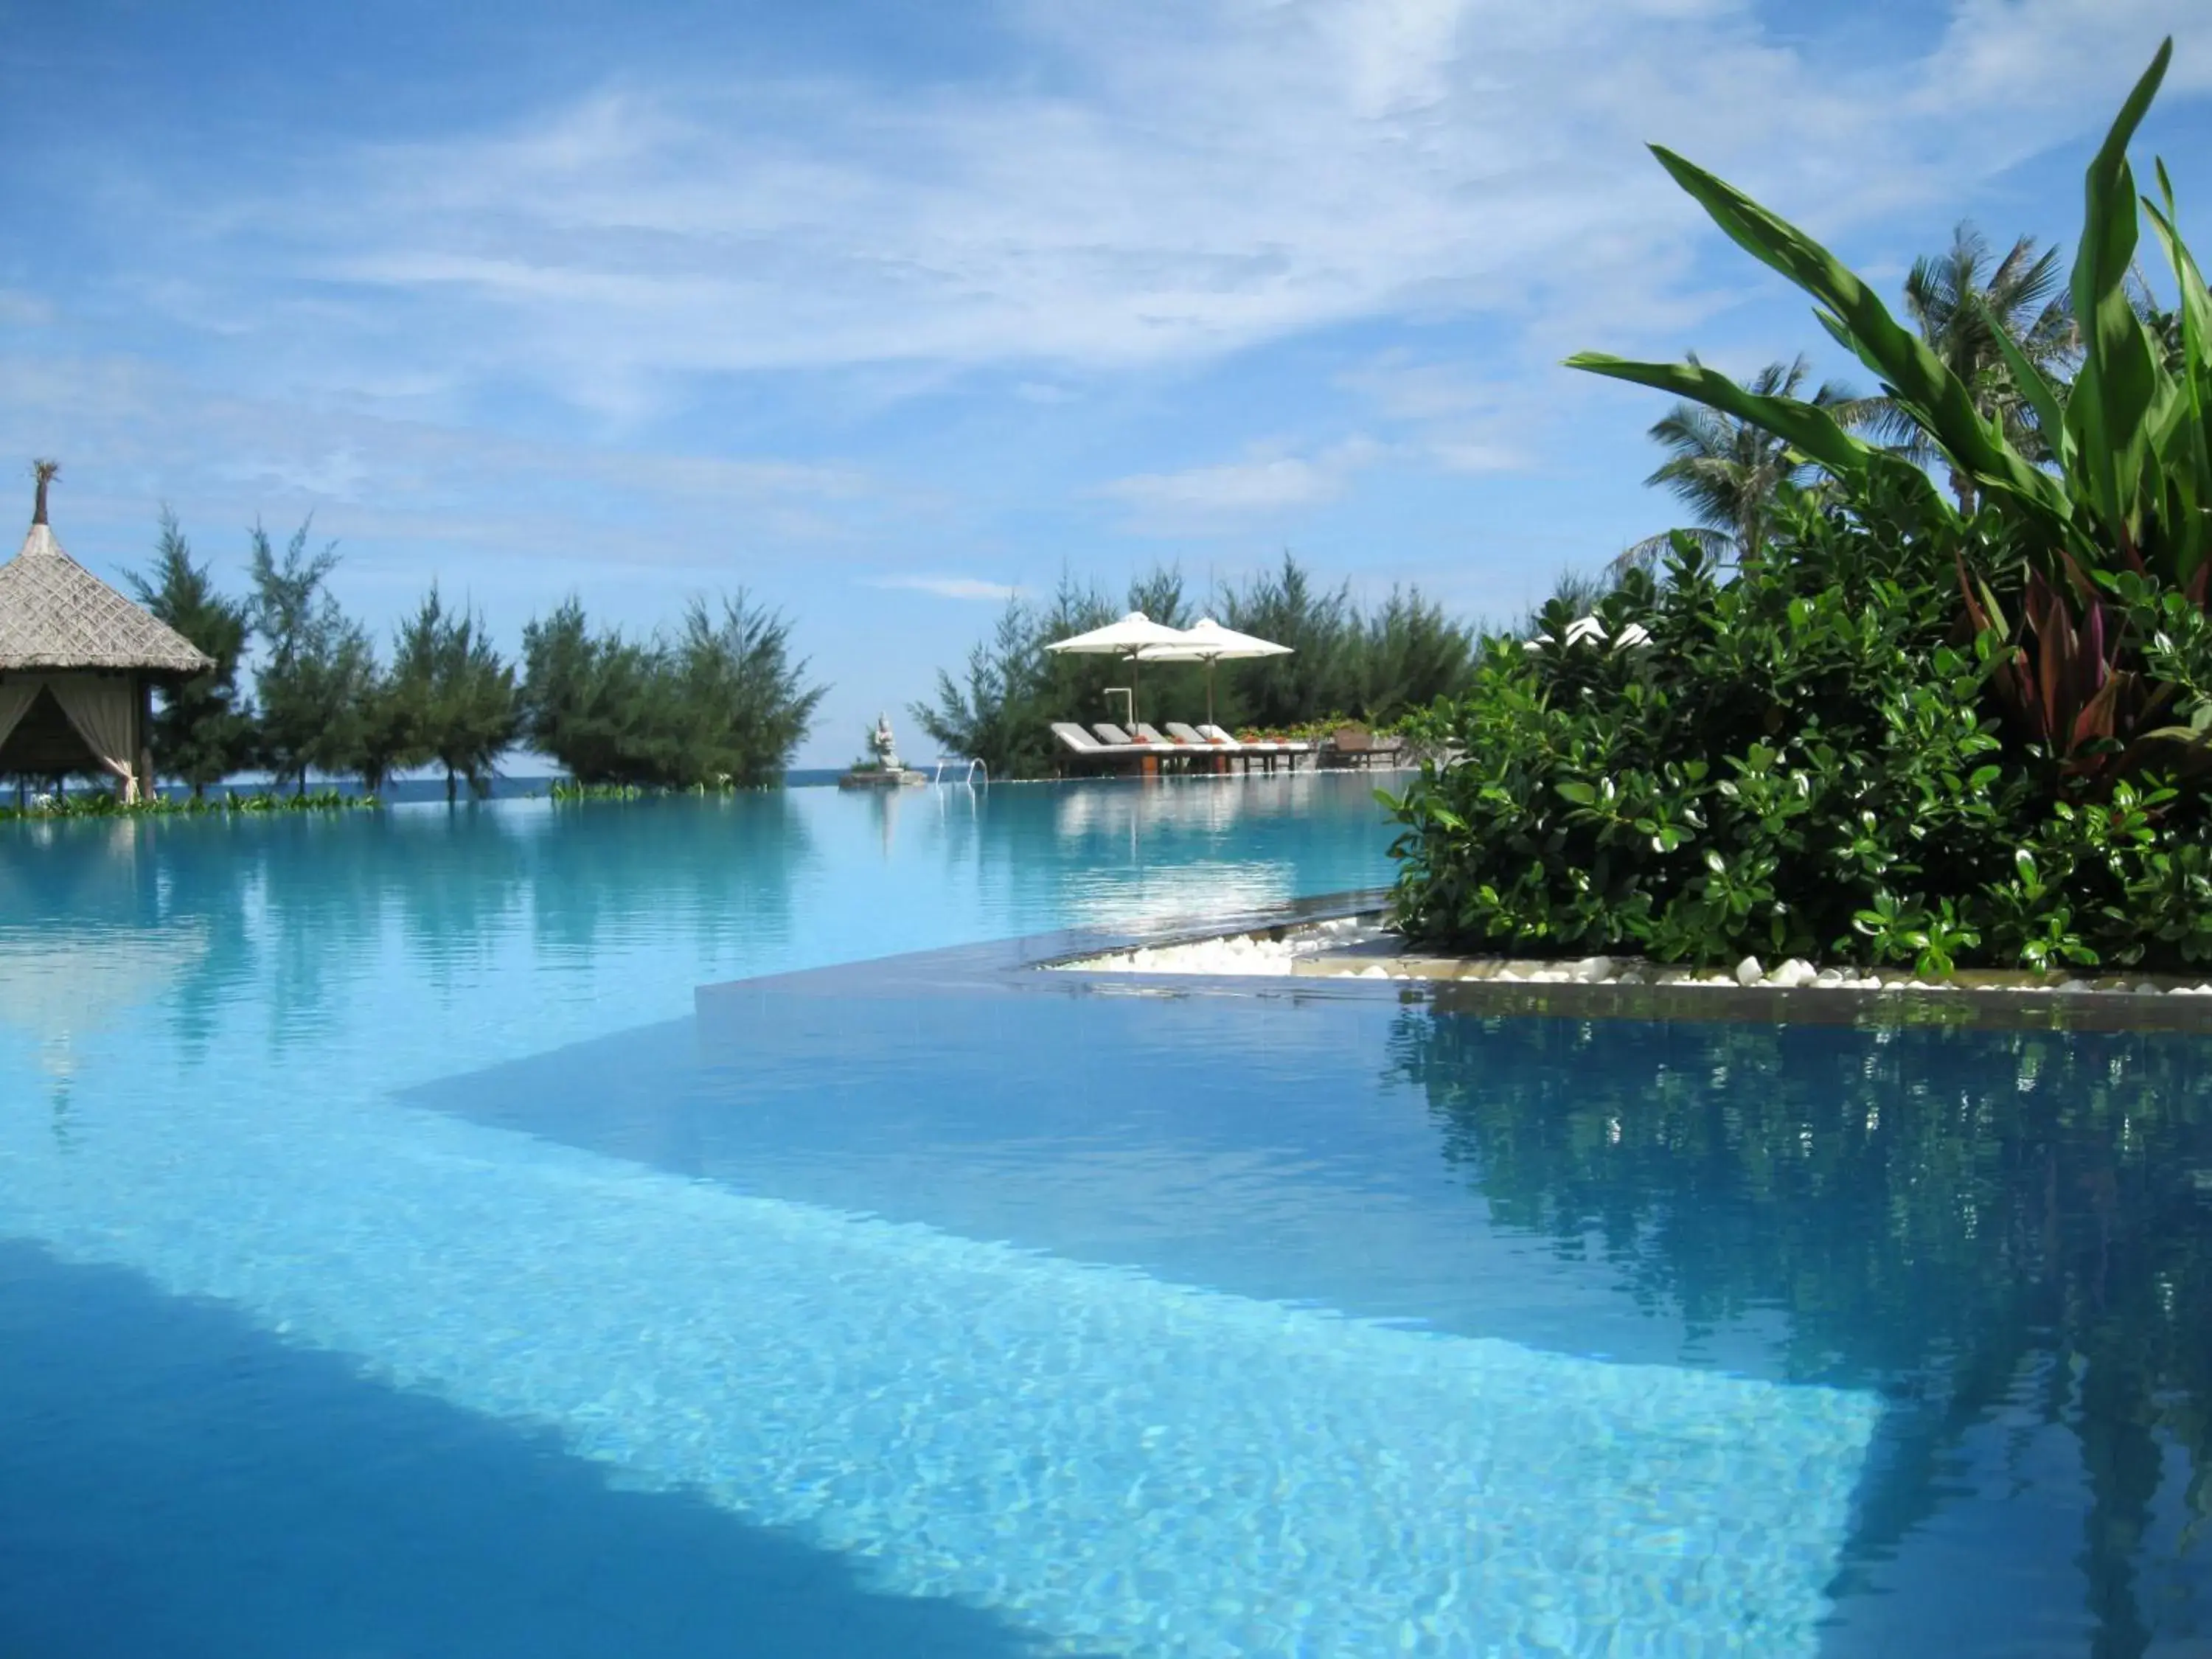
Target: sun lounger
column 1080, row 743
column 1115, row 736
column 1264, row 745
column 1189, row 747
column 1182, row 734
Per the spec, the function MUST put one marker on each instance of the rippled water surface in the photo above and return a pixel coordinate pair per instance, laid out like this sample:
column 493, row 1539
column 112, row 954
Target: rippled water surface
column 402, row 1253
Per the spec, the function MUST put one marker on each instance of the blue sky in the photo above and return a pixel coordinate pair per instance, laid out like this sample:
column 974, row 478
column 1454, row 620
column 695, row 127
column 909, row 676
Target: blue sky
column 880, row 310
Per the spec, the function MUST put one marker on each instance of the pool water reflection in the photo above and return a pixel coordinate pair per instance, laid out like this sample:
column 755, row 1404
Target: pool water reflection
column 467, row 1286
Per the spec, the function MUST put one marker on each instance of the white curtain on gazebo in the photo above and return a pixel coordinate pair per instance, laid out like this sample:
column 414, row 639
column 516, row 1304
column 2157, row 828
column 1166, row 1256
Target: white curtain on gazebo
column 16, row 697
column 102, row 710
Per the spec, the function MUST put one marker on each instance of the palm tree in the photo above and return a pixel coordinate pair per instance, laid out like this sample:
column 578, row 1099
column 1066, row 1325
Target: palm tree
column 1960, row 301
column 1729, row 471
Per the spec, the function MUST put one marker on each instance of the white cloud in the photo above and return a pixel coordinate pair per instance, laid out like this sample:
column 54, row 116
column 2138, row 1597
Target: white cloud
column 132, row 436
column 2028, row 54
column 1402, row 388
column 1462, row 421
column 951, row 587
column 1203, row 497
column 1477, row 455
column 1207, row 174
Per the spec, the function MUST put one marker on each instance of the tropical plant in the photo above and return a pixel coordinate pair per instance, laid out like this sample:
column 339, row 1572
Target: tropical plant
column 1728, row 471
column 202, row 731
column 317, row 669
column 1961, row 305
column 1577, row 593
column 2064, row 566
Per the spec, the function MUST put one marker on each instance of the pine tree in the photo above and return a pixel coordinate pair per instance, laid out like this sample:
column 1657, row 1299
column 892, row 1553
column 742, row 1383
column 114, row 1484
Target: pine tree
column 450, row 697
column 202, row 731
column 318, row 675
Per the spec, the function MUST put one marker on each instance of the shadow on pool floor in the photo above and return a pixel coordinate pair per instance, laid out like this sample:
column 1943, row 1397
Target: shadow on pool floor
column 181, row 1483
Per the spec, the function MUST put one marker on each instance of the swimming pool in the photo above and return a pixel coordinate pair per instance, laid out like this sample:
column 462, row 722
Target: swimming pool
column 558, row 1232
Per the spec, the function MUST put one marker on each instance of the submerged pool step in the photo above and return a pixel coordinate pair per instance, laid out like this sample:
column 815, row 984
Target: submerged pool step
column 1122, row 1465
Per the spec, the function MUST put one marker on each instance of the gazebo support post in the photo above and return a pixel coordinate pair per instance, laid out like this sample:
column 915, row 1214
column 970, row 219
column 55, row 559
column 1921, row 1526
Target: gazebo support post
column 145, row 735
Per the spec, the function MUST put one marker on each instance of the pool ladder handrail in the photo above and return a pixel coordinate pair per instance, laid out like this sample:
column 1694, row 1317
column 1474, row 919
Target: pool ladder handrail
column 971, row 763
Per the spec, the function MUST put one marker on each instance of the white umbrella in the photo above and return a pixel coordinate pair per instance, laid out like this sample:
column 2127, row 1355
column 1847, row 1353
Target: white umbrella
column 1130, row 637
column 1207, row 641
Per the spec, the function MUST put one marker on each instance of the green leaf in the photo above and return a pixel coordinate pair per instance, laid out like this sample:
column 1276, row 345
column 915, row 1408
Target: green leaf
column 1580, row 793
column 1918, row 380
column 1808, row 429
column 2114, row 389
column 2193, row 535
column 2042, row 395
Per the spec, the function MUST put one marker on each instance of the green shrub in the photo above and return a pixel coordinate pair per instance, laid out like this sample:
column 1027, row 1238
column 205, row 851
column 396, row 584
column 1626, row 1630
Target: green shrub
column 103, row 803
column 1807, row 760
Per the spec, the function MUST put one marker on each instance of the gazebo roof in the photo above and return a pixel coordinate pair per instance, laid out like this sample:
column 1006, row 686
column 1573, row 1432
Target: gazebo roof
column 55, row 614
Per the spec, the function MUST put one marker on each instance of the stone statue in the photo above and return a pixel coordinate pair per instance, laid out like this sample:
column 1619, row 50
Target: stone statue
column 882, row 768
column 884, row 744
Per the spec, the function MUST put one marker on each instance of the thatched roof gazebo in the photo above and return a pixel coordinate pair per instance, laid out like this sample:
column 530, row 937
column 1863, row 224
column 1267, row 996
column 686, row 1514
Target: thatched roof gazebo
column 78, row 663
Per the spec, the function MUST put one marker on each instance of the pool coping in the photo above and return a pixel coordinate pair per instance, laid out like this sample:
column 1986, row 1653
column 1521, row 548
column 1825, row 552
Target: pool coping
column 1001, row 966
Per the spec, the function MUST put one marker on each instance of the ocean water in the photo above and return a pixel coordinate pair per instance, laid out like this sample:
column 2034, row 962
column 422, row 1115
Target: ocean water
column 678, row 1228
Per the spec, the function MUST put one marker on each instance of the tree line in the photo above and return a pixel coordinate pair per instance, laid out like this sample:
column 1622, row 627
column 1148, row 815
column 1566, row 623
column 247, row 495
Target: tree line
column 719, row 702
column 1347, row 662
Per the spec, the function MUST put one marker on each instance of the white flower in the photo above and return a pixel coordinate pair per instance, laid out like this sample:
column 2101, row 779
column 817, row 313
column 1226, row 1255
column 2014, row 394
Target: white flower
column 1585, row 627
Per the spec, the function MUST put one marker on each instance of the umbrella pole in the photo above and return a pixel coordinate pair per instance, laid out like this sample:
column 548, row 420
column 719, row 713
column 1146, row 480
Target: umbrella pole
column 1209, row 690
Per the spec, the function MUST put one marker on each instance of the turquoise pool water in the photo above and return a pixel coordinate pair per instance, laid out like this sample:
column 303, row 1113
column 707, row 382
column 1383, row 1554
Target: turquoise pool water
column 562, row 1232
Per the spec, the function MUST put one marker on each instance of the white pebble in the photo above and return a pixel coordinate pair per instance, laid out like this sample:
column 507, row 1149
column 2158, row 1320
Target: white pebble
column 1748, row 972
